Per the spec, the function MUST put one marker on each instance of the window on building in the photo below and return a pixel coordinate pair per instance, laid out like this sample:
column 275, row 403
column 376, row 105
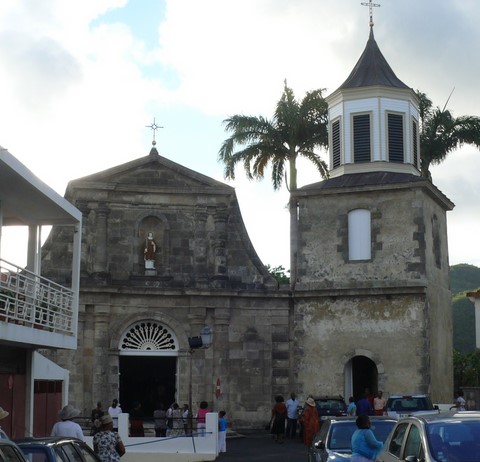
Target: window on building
column 415, row 142
column 361, row 138
column 359, row 235
column 336, row 144
column 395, row 138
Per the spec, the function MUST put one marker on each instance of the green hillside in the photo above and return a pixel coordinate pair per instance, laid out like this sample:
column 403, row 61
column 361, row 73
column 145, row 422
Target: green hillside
column 463, row 278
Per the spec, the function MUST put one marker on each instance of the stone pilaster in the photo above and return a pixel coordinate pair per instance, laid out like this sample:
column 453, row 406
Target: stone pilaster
column 200, row 250
column 100, row 264
column 220, row 357
column 221, row 217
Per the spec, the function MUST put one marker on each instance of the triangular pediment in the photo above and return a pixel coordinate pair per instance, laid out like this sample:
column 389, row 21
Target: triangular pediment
column 152, row 171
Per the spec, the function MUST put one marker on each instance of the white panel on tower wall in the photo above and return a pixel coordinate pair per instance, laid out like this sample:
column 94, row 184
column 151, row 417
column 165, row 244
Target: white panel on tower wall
column 359, row 235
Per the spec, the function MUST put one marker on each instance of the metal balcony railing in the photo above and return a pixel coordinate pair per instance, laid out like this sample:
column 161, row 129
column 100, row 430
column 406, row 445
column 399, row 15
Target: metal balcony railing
column 34, row 301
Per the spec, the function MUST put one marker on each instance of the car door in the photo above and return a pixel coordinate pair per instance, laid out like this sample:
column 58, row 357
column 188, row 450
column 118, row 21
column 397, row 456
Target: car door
column 413, row 443
column 318, row 452
column 394, row 449
column 10, row 454
column 67, row 453
column 87, row 454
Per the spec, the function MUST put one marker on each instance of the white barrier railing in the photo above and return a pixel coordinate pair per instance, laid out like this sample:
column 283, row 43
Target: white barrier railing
column 188, row 448
column 34, row 301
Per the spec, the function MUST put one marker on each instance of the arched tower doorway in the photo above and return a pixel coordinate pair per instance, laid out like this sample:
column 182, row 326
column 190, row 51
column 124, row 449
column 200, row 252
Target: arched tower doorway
column 148, row 366
column 361, row 373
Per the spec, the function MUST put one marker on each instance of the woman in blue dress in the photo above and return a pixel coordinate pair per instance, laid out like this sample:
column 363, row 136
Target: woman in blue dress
column 365, row 446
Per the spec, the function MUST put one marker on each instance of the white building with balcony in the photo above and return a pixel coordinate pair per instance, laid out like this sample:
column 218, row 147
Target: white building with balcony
column 35, row 313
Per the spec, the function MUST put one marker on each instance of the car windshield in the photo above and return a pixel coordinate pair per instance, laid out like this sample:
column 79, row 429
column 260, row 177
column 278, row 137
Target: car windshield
column 341, row 433
column 410, row 404
column 455, row 440
column 329, row 405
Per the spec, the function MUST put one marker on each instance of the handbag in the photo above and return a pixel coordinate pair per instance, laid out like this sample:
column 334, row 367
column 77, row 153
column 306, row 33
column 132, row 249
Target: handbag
column 120, row 448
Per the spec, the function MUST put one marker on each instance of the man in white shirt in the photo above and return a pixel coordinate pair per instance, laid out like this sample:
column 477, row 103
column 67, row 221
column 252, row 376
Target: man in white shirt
column 115, row 410
column 292, row 416
column 460, row 401
column 66, row 427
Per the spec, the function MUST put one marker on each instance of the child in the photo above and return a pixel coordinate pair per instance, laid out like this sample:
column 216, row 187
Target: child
column 222, row 432
column 352, row 407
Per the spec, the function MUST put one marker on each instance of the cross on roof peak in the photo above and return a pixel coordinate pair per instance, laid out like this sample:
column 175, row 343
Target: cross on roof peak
column 154, row 127
column 370, row 8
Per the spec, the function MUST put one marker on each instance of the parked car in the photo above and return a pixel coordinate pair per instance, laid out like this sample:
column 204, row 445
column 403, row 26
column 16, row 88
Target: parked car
column 445, row 437
column 9, row 452
column 330, row 406
column 399, row 406
column 334, row 440
column 56, row 449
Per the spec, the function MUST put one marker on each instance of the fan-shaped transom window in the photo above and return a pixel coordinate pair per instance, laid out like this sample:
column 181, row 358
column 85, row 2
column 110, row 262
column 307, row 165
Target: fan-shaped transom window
column 148, row 336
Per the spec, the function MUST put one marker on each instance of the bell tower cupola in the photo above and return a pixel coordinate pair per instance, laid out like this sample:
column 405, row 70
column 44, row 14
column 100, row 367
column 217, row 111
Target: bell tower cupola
column 373, row 119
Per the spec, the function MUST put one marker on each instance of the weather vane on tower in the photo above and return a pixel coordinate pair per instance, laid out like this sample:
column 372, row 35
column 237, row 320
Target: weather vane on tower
column 154, row 127
column 370, row 7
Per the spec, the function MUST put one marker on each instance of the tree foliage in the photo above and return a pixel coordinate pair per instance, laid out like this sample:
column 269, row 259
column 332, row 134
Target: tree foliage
column 296, row 129
column 441, row 133
column 466, row 369
column 280, row 274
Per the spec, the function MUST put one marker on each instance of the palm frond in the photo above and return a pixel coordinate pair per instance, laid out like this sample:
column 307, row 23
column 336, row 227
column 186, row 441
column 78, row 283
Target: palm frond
column 296, row 128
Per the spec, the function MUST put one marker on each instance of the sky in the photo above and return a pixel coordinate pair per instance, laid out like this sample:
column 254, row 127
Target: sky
column 80, row 82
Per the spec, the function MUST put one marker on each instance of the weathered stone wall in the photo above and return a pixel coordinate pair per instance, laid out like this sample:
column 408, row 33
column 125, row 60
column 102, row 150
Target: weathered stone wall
column 393, row 309
column 250, row 353
column 206, row 272
column 439, row 299
column 330, row 331
column 398, row 247
column 399, row 298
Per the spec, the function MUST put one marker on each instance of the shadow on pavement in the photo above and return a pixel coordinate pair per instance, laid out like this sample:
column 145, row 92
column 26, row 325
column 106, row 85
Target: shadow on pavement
column 260, row 447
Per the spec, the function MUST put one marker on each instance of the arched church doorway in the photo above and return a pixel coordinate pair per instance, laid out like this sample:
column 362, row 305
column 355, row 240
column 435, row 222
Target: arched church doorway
column 361, row 374
column 148, row 366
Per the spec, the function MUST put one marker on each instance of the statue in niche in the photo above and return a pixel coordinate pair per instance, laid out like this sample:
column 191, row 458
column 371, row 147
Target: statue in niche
column 149, row 252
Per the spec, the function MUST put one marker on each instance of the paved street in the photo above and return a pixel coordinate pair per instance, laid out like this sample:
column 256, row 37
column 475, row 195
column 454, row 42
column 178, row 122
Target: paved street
column 260, row 447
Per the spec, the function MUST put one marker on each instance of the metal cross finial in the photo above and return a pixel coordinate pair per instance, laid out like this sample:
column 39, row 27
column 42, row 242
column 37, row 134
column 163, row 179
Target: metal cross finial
column 154, row 128
column 370, row 7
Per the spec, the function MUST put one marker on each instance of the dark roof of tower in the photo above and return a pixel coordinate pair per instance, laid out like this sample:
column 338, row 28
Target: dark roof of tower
column 372, row 69
column 365, row 179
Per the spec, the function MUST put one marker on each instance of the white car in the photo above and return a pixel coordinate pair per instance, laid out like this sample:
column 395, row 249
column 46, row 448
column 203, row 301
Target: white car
column 399, row 406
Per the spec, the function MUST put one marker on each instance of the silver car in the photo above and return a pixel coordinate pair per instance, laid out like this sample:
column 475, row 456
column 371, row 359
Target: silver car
column 334, row 440
column 446, row 437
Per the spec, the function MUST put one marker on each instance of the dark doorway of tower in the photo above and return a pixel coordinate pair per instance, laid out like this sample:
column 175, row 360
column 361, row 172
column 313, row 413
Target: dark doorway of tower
column 149, row 380
column 361, row 375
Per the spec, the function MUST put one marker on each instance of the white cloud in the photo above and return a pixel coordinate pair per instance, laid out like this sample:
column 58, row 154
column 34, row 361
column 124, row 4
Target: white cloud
column 77, row 88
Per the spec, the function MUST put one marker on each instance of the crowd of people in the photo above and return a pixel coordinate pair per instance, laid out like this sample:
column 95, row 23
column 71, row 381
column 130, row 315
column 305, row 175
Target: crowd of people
column 286, row 416
column 107, row 443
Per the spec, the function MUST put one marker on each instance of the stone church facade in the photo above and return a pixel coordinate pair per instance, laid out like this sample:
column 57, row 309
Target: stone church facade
column 370, row 307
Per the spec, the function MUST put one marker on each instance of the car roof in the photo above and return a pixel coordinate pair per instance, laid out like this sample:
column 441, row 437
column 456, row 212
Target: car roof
column 413, row 395
column 6, row 442
column 373, row 418
column 445, row 417
column 46, row 441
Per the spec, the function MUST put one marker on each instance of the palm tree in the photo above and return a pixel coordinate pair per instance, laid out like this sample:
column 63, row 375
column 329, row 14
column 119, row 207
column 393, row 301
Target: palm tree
column 296, row 129
column 441, row 133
